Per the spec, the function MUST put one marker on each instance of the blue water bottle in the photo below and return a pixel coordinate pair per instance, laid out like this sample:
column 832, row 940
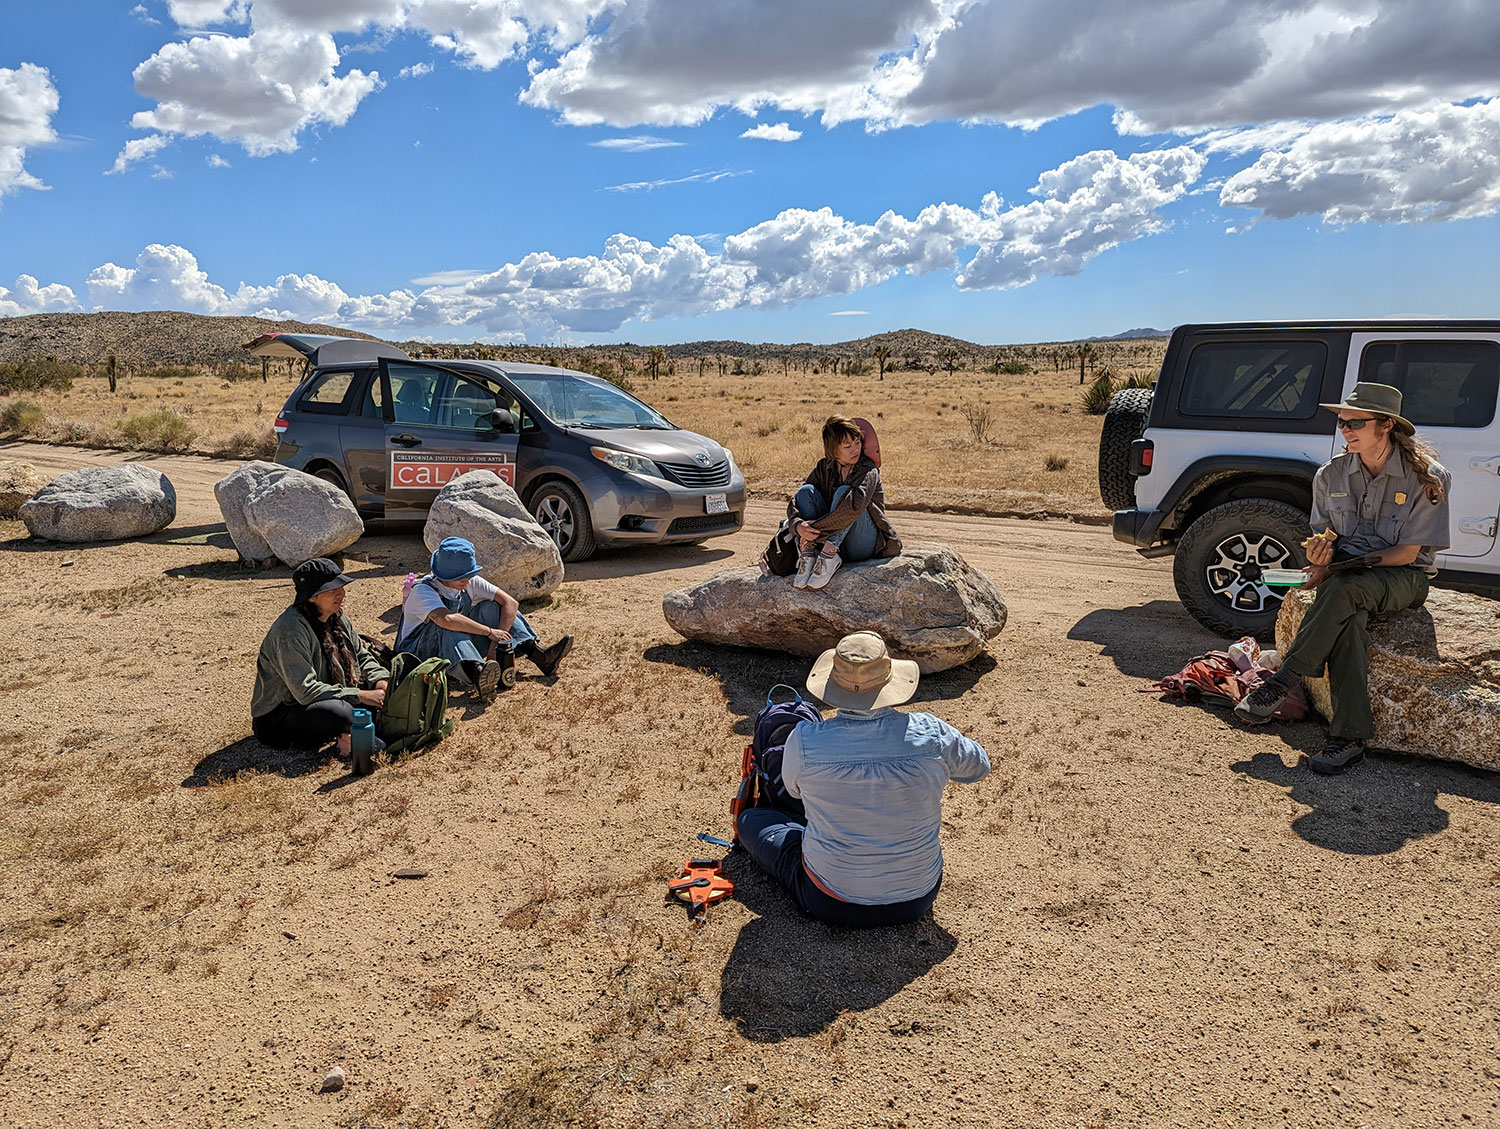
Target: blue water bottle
column 362, row 742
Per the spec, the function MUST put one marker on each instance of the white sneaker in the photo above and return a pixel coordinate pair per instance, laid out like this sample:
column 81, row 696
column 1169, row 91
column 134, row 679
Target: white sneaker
column 823, row 569
column 804, row 569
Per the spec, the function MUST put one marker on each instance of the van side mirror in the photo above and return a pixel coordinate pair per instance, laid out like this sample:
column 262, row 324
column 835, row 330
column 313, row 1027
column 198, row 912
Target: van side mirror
column 502, row 421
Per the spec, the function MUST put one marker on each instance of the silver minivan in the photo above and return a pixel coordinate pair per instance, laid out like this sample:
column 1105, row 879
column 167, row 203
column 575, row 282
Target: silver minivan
column 595, row 465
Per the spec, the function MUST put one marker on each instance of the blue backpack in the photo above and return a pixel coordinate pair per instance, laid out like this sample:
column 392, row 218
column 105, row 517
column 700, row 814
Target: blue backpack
column 760, row 769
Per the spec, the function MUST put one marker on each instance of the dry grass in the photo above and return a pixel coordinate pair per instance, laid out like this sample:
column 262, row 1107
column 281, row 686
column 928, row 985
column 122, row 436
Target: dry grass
column 971, row 440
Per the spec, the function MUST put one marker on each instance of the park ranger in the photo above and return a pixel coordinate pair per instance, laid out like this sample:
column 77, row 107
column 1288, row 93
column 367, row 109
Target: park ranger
column 1379, row 516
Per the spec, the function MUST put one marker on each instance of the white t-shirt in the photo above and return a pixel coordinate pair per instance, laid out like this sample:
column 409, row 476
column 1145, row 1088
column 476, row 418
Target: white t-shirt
column 422, row 601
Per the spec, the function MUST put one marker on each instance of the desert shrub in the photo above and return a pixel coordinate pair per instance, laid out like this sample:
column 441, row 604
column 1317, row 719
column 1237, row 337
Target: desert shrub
column 37, row 374
column 22, row 417
column 168, row 372
column 1055, row 461
column 236, row 372
column 1012, row 368
column 1097, row 395
column 157, row 431
column 81, row 434
column 979, row 420
column 855, row 366
column 1140, row 380
column 247, row 445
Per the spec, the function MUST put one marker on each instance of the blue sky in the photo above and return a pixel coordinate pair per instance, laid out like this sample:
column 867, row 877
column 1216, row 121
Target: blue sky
column 577, row 171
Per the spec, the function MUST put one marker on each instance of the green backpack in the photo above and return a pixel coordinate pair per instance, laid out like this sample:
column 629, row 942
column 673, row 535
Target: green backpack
column 416, row 705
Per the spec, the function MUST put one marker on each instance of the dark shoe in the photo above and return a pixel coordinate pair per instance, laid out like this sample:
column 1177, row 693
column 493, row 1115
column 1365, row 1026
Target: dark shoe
column 489, row 678
column 547, row 658
column 1256, row 707
column 1339, row 755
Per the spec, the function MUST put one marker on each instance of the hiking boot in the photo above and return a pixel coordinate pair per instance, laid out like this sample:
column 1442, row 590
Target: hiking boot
column 1256, row 707
column 823, row 569
column 1339, row 755
column 489, row 678
column 804, row 569
column 548, row 658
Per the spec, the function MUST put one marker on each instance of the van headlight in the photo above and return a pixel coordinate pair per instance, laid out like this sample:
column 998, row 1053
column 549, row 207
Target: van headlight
column 630, row 464
column 728, row 454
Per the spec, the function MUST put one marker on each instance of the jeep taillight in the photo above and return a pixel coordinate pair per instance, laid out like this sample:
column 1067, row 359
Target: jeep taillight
column 1140, row 456
column 281, row 424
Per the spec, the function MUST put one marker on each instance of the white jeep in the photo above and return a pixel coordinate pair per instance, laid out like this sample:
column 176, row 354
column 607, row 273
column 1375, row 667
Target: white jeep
column 1215, row 463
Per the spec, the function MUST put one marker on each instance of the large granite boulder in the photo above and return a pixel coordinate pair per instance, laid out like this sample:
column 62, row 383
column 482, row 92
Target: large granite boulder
column 18, row 483
column 275, row 511
column 1434, row 676
column 928, row 604
column 515, row 552
column 104, row 503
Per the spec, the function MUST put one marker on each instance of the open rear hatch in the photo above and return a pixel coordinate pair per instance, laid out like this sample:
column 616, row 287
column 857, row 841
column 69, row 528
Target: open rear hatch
column 319, row 350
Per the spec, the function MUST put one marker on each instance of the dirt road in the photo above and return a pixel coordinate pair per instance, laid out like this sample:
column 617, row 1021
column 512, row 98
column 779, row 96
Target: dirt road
column 1149, row 917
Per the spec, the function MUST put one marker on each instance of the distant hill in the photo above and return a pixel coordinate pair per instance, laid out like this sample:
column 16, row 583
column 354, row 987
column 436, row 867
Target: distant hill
column 170, row 338
column 1131, row 334
column 160, row 337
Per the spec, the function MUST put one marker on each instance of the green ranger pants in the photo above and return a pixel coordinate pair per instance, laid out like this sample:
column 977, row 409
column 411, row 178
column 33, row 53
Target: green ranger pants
column 1335, row 633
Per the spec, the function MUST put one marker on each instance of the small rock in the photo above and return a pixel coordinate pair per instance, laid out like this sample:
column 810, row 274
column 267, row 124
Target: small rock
column 752, row 1084
column 289, row 935
column 409, row 872
column 333, row 1082
column 18, row 483
column 66, row 564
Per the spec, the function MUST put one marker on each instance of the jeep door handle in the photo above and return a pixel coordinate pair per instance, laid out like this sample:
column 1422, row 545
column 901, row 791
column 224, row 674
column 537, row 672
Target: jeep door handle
column 407, row 441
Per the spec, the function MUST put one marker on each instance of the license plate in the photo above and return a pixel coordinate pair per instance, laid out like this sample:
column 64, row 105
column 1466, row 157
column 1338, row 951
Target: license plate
column 716, row 504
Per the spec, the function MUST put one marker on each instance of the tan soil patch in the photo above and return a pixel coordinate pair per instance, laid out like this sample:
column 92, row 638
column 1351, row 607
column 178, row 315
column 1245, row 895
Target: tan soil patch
column 1149, row 916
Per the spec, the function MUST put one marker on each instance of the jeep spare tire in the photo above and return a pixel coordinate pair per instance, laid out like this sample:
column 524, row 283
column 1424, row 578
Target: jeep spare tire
column 1124, row 423
column 1221, row 556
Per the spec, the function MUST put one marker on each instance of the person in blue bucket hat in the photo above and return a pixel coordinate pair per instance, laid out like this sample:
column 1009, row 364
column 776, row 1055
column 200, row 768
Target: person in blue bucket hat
column 456, row 614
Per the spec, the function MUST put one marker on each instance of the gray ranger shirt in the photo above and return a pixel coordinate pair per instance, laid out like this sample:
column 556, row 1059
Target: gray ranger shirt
column 1380, row 512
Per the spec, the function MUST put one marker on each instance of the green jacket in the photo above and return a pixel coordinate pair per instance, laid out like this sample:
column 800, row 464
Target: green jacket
column 293, row 668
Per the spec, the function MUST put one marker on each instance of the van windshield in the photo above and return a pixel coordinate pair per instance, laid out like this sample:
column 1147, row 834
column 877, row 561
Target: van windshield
column 587, row 402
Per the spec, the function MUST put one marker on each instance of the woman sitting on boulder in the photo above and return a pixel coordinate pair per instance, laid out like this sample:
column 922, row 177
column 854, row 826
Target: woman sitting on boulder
column 838, row 514
column 453, row 612
column 313, row 667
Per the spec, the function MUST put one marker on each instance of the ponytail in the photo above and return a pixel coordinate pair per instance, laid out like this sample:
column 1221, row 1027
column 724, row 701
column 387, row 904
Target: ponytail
column 1420, row 457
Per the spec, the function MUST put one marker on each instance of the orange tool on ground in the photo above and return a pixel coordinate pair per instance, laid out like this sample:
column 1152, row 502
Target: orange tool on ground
column 702, row 882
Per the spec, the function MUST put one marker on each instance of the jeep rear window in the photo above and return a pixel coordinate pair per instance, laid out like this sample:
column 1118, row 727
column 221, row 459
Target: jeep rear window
column 1254, row 379
column 1443, row 383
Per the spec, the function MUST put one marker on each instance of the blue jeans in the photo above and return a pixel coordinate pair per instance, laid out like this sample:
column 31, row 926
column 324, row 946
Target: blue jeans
column 431, row 641
column 774, row 840
column 854, row 542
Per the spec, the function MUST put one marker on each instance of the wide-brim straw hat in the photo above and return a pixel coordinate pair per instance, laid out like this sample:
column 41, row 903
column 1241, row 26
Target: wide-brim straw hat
column 1378, row 400
column 859, row 674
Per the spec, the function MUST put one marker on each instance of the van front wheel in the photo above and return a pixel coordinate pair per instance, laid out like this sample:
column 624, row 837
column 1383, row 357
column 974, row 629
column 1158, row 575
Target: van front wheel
column 562, row 512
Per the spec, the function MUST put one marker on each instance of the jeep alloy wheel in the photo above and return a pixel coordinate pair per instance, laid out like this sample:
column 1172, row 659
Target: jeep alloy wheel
column 1219, row 561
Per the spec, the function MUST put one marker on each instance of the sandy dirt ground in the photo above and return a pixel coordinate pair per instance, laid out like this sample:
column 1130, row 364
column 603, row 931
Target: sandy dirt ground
column 1150, row 917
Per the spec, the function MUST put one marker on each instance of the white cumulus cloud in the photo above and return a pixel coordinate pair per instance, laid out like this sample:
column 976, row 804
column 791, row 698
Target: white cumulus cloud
column 260, row 91
column 1082, row 208
column 214, row 161
column 30, row 297
column 138, row 149
column 1438, row 163
column 778, row 132
column 416, row 70
column 27, row 102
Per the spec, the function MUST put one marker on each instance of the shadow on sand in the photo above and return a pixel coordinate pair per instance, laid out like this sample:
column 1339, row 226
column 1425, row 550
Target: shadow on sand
column 789, row 977
column 248, row 754
column 1149, row 640
column 1390, row 801
column 746, row 674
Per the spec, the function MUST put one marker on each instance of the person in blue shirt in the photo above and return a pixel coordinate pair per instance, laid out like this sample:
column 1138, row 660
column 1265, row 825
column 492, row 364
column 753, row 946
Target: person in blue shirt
column 871, row 779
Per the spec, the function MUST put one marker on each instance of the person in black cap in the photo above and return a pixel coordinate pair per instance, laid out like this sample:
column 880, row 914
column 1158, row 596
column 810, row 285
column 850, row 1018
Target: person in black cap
column 1379, row 516
column 313, row 667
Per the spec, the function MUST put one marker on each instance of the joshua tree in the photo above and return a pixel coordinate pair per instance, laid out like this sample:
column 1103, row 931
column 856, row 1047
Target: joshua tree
column 110, row 363
column 656, row 356
column 949, row 357
column 1085, row 354
column 882, row 357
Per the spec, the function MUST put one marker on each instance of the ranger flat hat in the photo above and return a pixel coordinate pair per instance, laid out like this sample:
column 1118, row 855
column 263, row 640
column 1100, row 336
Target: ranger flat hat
column 1378, row 400
column 859, row 674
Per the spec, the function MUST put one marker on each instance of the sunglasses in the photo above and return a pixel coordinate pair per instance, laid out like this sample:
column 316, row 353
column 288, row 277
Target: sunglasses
column 1352, row 424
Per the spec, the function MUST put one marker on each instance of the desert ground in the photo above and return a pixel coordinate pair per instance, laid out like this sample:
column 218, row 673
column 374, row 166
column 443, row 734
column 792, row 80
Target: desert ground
column 1149, row 917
